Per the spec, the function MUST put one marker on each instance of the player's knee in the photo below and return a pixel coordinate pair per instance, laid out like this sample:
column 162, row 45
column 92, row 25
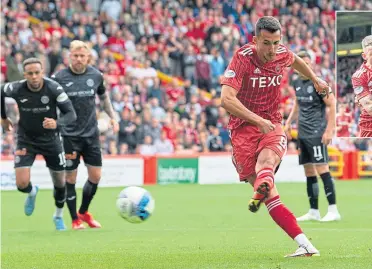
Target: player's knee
column 321, row 169
column 58, row 178
column 22, row 184
column 22, row 180
column 95, row 179
column 60, row 193
column 265, row 163
column 94, row 174
column 310, row 170
column 71, row 176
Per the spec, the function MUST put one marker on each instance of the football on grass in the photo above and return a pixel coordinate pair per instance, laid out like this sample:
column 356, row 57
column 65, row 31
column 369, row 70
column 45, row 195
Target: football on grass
column 135, row 204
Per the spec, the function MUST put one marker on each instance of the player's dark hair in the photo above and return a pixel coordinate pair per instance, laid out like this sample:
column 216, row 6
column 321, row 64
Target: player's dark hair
column 267, row 23
column 31, row 61
column 303, row 54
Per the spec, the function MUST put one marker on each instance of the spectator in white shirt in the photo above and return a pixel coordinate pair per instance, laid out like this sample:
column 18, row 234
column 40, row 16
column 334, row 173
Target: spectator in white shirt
column 147, row 148
column 164, row 145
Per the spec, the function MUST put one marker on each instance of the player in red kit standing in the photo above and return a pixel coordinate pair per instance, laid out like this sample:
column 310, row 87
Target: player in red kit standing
column 344, row 121
column 251, row 94
column 362, row 84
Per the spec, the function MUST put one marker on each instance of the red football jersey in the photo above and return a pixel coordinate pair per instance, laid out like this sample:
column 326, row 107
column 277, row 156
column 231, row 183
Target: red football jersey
column 258, row 84
column 362, row 84
column 344, row 121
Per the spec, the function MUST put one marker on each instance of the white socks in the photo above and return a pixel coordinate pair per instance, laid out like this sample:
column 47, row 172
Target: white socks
column 59, row 212
column 301, row 239
column 33, row 191
column 332, row 208
column 314, row 212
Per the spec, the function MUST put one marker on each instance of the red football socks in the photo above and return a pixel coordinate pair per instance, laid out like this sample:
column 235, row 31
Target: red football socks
column 283, row 217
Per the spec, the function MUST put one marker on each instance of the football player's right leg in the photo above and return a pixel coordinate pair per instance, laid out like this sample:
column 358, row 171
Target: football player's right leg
column 22, row 164
column 93, row 159
column 71, row 198
column 73, row 147
column 271, row 150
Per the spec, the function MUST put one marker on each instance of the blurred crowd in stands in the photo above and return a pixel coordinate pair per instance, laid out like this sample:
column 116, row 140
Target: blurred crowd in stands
column 162, row 60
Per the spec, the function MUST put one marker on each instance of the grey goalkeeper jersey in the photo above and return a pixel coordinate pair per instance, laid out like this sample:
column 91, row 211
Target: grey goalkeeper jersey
column 312, row 110
column 82, row 90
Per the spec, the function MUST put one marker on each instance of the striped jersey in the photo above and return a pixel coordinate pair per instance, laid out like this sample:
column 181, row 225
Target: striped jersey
column 362, row 84
column 258, row 84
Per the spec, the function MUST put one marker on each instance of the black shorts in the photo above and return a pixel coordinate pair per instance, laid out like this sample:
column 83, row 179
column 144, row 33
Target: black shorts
column 312, row 151
column 87, row 147
column 51, row 150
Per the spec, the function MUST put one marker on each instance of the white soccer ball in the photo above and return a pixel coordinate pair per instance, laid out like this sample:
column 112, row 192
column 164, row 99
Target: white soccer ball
column 135, row 204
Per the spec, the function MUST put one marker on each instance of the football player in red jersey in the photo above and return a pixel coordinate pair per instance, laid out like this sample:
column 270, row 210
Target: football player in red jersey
column 362, row 84
column 251, row 94
column 344, row 121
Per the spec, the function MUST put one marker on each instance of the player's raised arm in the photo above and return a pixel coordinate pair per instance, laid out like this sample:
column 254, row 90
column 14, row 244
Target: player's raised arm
column 320, row 85
column 107, row 106
column 330, row 103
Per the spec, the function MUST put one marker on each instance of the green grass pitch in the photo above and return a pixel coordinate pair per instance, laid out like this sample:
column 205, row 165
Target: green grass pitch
column 194, row 226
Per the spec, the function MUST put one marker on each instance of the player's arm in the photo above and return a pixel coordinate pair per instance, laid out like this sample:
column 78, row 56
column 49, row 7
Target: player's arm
column 330, row 103
column 6, row 91
column 64, row 104
column 68, row 114
column 231, row 103
column 292, row 116
column 294, row 112
column 320, row 85
column 107, row 106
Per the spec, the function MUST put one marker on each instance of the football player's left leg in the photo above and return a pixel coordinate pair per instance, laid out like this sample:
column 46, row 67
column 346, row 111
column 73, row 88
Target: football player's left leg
column 89, row 190
column 329, row 189
column 56, row 167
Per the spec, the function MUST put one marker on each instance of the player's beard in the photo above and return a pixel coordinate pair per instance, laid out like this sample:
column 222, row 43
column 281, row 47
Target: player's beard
column 78, row 68
column 35, row 87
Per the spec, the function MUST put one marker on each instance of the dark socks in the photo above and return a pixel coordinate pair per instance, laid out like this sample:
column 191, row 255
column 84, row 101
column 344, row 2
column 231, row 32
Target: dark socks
column 27, row 189
column 60, row 196
column 329, row 188
column 71, row 200
column 89, row 190
column 312, row 191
